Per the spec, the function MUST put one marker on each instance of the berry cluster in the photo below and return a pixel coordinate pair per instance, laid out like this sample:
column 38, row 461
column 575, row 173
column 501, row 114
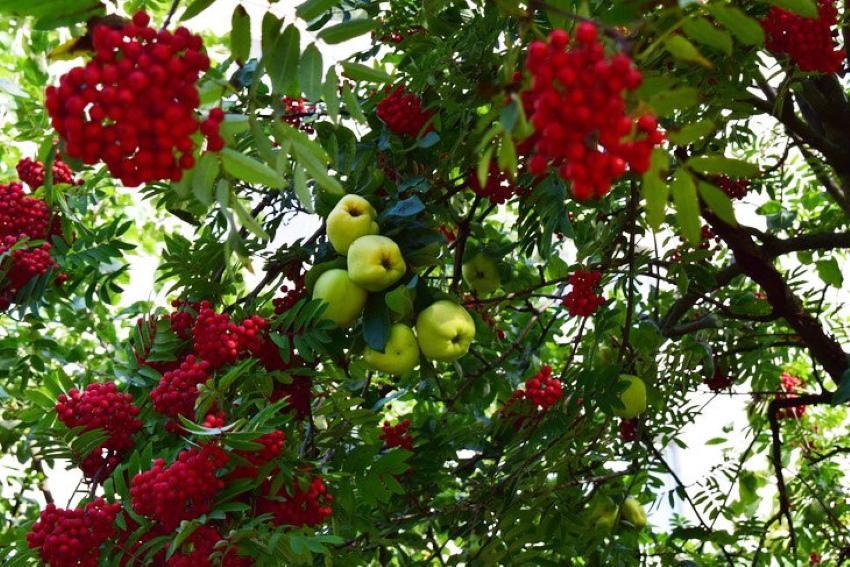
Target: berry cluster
column 198, row 547
column 177, row 391
column 578, row 108
column 72, row 538
column 499, row 187
column 582, row 300
column 294, row 112
column 402, row 112
column 181, row 491
column 397, row 435
column 309, row 506
column 31, row 172
column 183, row 318
column 542, row 390
column 298, row 393
column 289, row 299
column 719, row 382
column 707, row 238
column 807, row 41
column 628, row 430
column 22, row 217
column 790, row 386
column 133, row 106
column 219, row 341
column 734, row 188
column 211, row 128
column 272, row 443
column 101, row 406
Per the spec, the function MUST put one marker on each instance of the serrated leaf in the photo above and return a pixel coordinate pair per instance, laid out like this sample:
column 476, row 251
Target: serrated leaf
column 669, row 100
column 400, row 301
column 352, row 104
column 483, row 169
column 247, row 220
column 507, row 160
column 312, row 9
column 358, row 72
column 687, row 206
column 317, row 171
column 331, row 94
column 842, row 393
column 703, row 31
column 240, row 34
column 719, row 164
column 719, row 202
column 805, row 8
column 249, row 169
column 680, row 48
column 830, row 272
column 302, row 191
column 195, row 8
column 310, row 72
column 743, row 27
column 282, row 61
column 655, row 190
column 203, row 179
column 346, row 30
column 691, row 133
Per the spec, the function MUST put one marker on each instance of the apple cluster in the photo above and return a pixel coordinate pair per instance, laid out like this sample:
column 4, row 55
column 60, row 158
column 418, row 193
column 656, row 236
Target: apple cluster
column 578, row 108
column 809, row 42
column 402, row 112
column 101, row 406
column 31, row 172
column 397, row 435
column 134, row 105
column 72, row 538
column 583, row 299
column 444, row 330
column 298, row 505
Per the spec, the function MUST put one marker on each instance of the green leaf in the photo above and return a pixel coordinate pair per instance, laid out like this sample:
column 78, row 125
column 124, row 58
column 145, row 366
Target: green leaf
column 282, row 62
column 483, row 169
column 428, row 140
column 52, row 8
column 805, row 8
column 346, row 30
column 842, row 394
column 703, row 31
column 400, row 301
column 691, row 133
column 830, row 272
column 687, row 206
column 240, row 34
column 718, row 164
column 669, row 100
column 250, row 170
column 352, row 104
column 331, row 94
column 312, row 9
column 358, row 72
column 743, row 27
column 310, row 72
column 683, row 49
column 196, row 8
column 719, row 202
column 318, row 171
column 247, row 220
column 206, row 172
column 301, row 190
column 507, row 159
column 376, row 322
column 655, row 190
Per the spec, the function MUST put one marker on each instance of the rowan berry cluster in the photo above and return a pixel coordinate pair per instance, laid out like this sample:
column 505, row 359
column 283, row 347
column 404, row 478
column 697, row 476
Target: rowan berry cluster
column 72, row 538
column 294, row 112
column 499, row 187
column 734, row 188
column 211, row 128
column 583, row 299
column 628, row 430
column 183, row 318
column 198, row 547
column 22, row 218
column 289, row 299
column 397, row 435
column 101, row 406
column 298, row 506
column 298, row 394
column 542, row 390
column 790, row 385
column 133, row 106
column 578, row 108
column 180, row 491
column 273, row 444
column 31, row 172
column 402, row 112
column 177, row 391
column 707, row 238
column 719, row 381
column 809, row 42
column 220, row 341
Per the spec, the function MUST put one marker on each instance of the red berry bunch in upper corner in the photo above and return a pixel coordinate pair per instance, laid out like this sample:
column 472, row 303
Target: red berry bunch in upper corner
column 294, row 112
column 72, row 538
column 578, row 108
column 402, row 112
column 809, row 42
column 133, row 106
column 397, row 435
column 499, row 187
column 309, row 506
column 583, row 299
column 31, row 172
column 791, row 386
column 182, row 490
column 734, row 188
column 101, row 406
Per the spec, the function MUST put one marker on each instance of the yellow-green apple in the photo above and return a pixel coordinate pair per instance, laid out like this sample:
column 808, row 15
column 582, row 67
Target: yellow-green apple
column 351, row 218
column 602, row 514
column 445, row 331
column 481, row 274
column 632, row 511
column 401, row 353
column 375, row 262
column 633, row 397
column 345, row 299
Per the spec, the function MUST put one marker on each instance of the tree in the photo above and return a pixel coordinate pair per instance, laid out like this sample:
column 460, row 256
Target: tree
column 545, row 228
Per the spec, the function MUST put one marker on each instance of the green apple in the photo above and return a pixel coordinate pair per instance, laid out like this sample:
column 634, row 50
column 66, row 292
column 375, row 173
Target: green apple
column 445, row 331
column 632, row 511
column 401, row 353
column 345, row 299
column 481, row 274
column 602, row 515
column 351, row 218
column 606, row 355
column 375, row 262
column 633, row 397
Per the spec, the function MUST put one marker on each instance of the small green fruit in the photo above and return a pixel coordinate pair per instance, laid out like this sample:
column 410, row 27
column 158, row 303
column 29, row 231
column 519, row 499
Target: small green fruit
column 401, row 353
column 345, row 299
column 351, row 218
column 445, row 331
column 633, row 397
column 375, row 262
column 481, row 274
column 632, row 511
